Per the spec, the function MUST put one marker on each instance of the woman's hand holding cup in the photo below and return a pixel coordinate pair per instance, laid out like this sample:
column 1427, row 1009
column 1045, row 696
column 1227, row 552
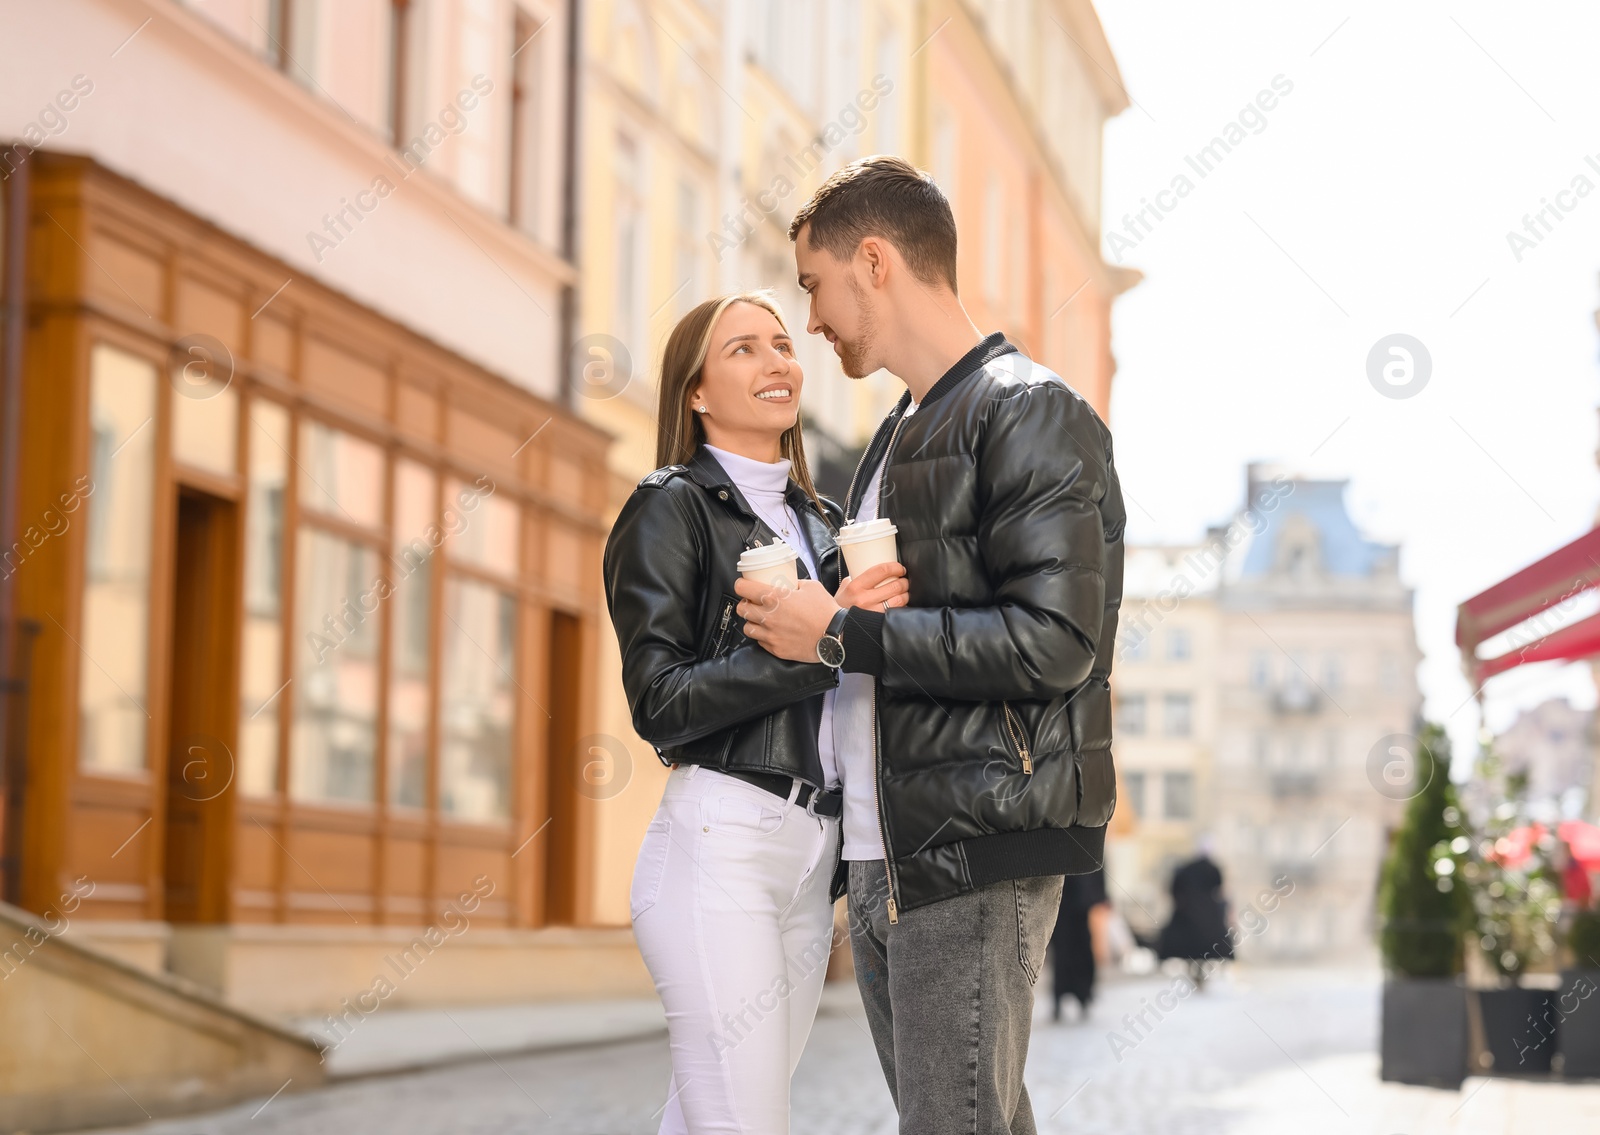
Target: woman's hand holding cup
column 878, row 588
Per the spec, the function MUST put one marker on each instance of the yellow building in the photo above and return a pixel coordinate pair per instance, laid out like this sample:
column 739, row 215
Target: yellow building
column 703, row 130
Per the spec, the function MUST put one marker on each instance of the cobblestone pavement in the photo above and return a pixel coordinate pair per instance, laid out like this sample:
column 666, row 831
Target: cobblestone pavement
column 1257, row 1052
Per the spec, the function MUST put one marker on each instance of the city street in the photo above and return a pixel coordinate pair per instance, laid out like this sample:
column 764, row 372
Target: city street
column 1254, row 1053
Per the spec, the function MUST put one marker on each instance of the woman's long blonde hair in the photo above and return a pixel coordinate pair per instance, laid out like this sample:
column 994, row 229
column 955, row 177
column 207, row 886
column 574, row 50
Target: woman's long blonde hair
column 679, row 432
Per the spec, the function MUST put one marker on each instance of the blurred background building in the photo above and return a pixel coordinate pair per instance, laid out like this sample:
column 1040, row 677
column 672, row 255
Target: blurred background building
column 1260, row 670
column 331, row 354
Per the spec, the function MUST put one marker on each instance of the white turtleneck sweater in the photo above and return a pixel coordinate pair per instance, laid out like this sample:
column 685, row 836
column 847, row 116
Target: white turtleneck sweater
column 763, row 486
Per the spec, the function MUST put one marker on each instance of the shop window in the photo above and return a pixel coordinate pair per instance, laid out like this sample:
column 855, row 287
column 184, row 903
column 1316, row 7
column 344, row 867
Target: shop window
column 261, row 664
column 477, row 701
column 205, row 426
column 485, row 535
column 336, row 686
column 113, row 662
column 340, row 475
column 411, row 632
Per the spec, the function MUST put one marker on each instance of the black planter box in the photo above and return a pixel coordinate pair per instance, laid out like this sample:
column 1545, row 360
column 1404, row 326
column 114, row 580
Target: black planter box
column 1424, row 1037
column 1578, row 1038
column 1519, row 1030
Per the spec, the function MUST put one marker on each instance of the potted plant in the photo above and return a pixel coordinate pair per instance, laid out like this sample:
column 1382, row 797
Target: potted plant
column 1578, row 1038
column 1516, row 904
column 1424, row 910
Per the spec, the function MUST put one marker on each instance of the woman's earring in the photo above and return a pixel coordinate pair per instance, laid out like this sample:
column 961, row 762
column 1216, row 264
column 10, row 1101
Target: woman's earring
column 701, row 410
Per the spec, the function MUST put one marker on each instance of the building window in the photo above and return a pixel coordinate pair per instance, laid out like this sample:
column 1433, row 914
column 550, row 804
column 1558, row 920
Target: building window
column 477, row 701
column 341, row 475
column 205, row 418
column 261, row 674
column 1260, row 670
column 1178, row 645
column 489, row 531
column 690, row 237
column 945, row 155
column 1332, row 671
column 336, row 688
column 333, row 742
column 1133, row 784
column 1131, row 714
column 888, row 125
column 478, row 150
column 1176, row 715
column 632, row 247
column 399, row 64
column 295, row 27
column 527, row 71
column 1263, row 749
column 1135, row 644
column 411, row 633
column 994, row 239
column 113, row 663
column 1177, row 795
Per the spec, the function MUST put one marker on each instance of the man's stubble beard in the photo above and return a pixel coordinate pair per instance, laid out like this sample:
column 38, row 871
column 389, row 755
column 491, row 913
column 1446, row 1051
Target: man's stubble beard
column 853, row 356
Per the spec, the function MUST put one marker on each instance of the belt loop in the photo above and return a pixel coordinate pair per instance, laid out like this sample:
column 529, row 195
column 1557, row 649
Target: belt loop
column 692, row 770
column 794, row 790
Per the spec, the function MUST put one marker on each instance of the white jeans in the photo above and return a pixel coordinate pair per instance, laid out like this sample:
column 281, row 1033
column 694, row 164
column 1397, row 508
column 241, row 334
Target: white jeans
column 730, row 908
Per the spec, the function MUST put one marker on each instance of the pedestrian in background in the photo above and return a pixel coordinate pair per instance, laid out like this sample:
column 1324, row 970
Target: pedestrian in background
column 1072, row 943
column 1197, row 932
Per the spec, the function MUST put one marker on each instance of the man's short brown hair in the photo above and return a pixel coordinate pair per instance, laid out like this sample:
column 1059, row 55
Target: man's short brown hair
column 888, row 197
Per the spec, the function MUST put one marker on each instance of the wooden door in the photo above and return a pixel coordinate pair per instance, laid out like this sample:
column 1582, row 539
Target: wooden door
column 202, row 716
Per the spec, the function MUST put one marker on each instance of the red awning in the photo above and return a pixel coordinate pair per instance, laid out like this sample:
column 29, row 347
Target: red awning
column 1564, row 573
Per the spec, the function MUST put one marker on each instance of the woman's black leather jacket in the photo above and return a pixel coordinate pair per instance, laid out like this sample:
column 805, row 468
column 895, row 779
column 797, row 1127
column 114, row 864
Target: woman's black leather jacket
column 698, row 689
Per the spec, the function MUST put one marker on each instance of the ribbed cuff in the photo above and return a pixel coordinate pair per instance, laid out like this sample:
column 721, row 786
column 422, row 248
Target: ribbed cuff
column 863, row 642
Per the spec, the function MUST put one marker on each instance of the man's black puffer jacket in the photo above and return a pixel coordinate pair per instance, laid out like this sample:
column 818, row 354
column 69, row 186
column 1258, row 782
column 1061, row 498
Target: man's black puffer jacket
column 993, row 705
column 699, row 690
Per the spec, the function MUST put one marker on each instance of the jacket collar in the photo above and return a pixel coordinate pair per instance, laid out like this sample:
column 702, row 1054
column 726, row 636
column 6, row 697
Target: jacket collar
column 704, row 470
column 707, row 472
column 989, row 348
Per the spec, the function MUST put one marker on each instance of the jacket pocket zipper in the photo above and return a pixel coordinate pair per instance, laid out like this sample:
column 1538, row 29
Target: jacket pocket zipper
column 1018, row 739
column 722, row 628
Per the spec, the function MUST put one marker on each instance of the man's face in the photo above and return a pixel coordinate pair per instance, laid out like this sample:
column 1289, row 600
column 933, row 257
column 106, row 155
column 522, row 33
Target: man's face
column 841, row 307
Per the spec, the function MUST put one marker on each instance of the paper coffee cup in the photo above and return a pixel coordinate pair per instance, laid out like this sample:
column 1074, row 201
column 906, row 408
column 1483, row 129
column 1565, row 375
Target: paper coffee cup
column 867, row 544
column 772, row 564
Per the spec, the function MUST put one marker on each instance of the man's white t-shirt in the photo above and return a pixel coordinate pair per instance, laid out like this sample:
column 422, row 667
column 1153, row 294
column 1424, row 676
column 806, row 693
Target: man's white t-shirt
column 852, row 728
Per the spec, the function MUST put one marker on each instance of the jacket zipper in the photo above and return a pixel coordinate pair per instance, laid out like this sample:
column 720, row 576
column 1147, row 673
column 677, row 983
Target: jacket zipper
column 850, row 493
column 722, row 628
column 1018, row 739
column 877, row 802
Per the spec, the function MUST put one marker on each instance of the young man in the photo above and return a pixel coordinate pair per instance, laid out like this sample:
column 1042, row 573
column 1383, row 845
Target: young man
column 973, row 727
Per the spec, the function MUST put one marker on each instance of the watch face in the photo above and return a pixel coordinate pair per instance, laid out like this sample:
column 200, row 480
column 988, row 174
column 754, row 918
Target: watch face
column 831, row 651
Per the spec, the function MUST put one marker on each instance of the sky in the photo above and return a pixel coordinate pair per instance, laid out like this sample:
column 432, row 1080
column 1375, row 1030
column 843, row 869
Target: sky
column 1374, row 198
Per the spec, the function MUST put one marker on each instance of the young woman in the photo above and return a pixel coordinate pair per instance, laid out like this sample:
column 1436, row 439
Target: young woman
column 733, row 891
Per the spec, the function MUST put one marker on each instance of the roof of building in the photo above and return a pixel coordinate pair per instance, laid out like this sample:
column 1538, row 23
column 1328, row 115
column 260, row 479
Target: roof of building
column 1288, row 517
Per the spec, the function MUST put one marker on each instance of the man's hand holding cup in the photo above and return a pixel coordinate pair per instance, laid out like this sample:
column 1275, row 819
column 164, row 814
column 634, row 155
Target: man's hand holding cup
column 788, row 619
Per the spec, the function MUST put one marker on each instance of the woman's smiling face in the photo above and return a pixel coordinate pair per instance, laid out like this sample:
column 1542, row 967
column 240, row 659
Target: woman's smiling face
column 750, row 383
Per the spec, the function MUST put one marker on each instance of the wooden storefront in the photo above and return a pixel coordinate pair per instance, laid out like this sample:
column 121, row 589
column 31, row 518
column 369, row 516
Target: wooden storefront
column 316, row 598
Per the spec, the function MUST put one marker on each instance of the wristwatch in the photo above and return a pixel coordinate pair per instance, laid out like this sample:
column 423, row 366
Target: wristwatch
column 830, row 647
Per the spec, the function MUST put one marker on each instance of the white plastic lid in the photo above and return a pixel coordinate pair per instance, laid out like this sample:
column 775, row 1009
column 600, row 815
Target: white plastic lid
column 866, row 530
column 770, row 555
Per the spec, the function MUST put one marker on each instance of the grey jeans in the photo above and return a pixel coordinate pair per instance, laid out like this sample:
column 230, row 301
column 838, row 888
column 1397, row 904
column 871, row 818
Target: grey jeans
column 948, row 991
